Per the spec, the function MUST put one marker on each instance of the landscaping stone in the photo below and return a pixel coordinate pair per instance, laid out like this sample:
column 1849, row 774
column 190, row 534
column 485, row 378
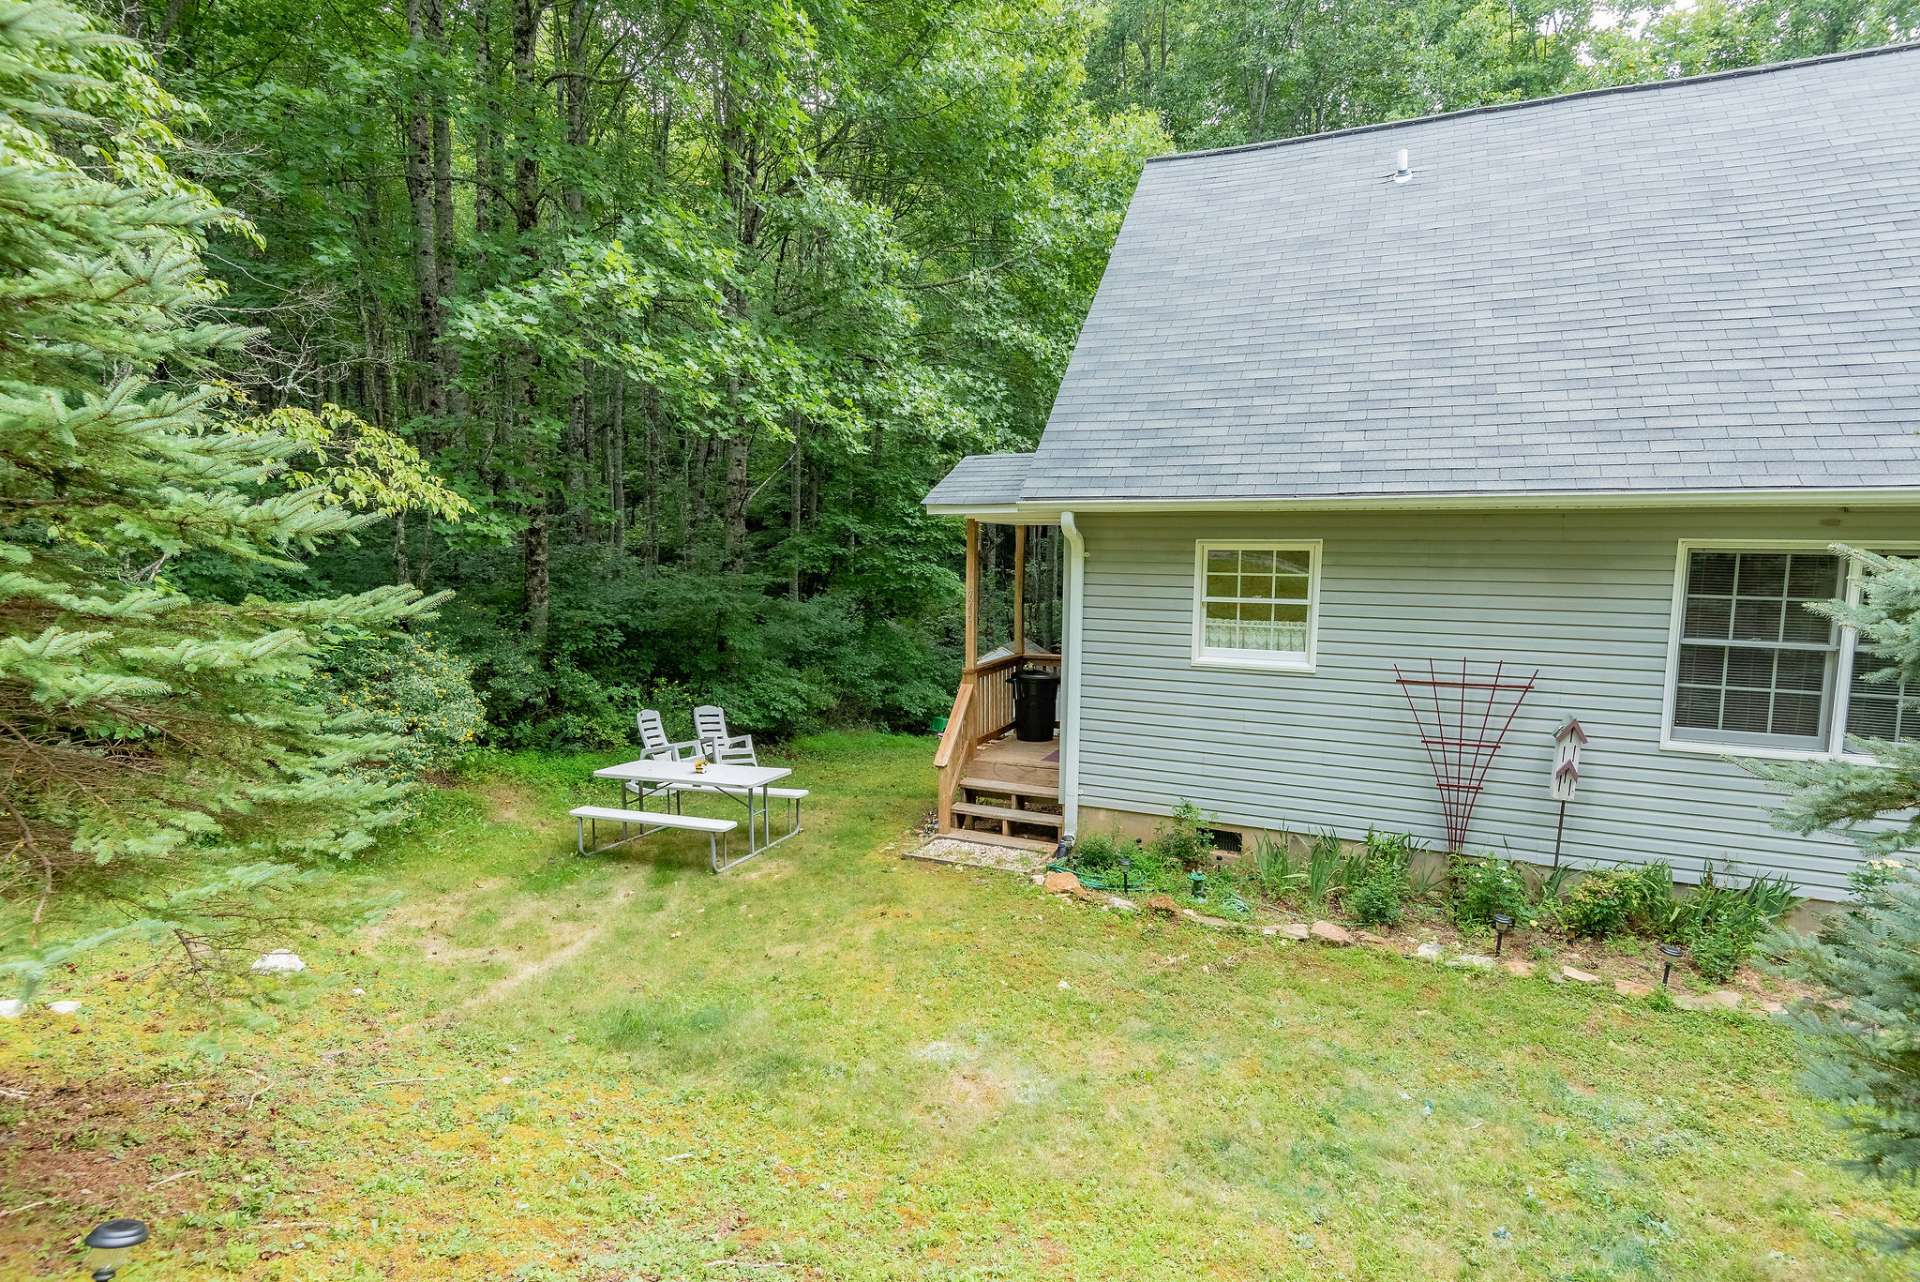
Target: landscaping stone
column 1579, row 976
column 1162, row 904
column 66, row 1006
column 1773, row 1008
column 1471, row 961
column 281, row 961
column 1118, row 904
column 1060, row 883
column 1375, row 941
column 10, row 1007
column 1286, row 930
column 1632, row 988
column 1328, row 933
column 1725, row 998
column 1431, row 951
column 1212, row 923
column 1519, row 967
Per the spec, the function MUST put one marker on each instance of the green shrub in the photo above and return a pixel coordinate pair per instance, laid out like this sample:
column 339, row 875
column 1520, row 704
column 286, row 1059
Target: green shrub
column 1275, row 873
column 1721, row 924
column 1619, row 901
column 414, row 688
column 1326, row 866
column 1187, row 839
column 1486, row 886
column 1599, row 906
column 1722, row 942
column 1096, row 853
column 1377, row 892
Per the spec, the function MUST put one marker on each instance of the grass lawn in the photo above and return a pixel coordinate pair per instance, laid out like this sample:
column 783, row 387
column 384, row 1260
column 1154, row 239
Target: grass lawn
column 834, row 1064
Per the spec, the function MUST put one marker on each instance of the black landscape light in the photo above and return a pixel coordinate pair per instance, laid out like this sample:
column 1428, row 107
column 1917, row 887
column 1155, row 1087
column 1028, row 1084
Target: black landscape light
column 1126, row 871
column 110, row 1243
column 1501, row 925
column 1671, row 952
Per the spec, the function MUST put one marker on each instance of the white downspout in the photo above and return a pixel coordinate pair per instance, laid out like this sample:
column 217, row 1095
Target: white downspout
column 1070, row 718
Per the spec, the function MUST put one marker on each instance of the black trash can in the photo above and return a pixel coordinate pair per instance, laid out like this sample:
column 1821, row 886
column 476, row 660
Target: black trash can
column 1036, row 695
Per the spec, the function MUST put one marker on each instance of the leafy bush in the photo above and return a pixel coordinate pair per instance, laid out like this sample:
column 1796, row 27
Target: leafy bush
column 1623, row 899
column 1721, row 924
column 412, row 687
column 1187, row 839
column 1275, row 873
column 1326, row 866
column 1374, row 880
column 1378, row 895
column 1722, row 942
column 1486, row 886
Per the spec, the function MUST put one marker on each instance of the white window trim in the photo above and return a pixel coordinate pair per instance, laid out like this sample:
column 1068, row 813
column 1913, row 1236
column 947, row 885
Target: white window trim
column 1849, row 640
column 1250, row 661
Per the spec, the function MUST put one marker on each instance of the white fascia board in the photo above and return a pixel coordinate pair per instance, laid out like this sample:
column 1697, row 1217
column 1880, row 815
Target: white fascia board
column 1049, row 509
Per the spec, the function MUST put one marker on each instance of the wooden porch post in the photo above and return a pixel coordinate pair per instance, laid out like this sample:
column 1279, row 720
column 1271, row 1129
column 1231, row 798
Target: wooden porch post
column 1019, row 589
column 973, row 595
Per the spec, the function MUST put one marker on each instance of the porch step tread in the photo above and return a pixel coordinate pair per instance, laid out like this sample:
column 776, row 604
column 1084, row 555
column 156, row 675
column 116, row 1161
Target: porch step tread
column 980, row 810
column 1046, row 791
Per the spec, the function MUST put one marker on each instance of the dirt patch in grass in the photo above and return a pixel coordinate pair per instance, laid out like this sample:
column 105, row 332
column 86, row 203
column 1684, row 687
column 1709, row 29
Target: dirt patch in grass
column 79, row 1153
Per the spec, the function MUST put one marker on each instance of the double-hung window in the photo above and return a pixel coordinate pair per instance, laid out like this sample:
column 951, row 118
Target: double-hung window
column 1753, row 669
column 1254, row 603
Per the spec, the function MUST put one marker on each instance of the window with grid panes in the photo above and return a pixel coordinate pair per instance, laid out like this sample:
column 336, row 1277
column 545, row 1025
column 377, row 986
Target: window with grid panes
column 1755, row 666
column 1880, row 707
column 1254, row 603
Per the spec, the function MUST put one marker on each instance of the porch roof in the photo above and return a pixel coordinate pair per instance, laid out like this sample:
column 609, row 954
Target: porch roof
column 981, row 481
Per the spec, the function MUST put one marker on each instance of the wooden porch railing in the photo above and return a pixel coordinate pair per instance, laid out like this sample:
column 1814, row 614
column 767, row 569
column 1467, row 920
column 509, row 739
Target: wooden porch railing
column 982, row 711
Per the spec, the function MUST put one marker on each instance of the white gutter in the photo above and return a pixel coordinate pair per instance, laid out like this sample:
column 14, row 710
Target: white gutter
column 1070, row 718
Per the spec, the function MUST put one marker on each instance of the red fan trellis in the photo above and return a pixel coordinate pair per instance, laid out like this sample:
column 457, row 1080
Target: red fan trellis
column 1459, row 751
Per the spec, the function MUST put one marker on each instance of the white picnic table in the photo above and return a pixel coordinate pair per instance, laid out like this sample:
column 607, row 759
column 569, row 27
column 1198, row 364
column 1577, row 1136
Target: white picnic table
column 752, row 786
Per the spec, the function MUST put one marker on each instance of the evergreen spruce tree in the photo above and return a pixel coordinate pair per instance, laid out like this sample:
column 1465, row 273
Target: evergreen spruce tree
column 157, row 740
column 1866, row 1047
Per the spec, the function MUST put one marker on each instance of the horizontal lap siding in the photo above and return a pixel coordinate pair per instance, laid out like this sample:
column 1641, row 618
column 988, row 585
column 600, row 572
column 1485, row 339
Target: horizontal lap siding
column 1585, row 598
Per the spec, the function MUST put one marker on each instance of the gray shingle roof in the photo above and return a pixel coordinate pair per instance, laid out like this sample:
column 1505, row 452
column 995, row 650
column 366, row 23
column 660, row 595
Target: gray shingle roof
column 1702, row 285
column 982, row 480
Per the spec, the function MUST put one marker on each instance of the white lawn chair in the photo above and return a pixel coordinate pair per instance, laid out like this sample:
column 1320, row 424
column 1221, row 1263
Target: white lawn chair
column 710, row 728
column 654, row 741
column 728, row 749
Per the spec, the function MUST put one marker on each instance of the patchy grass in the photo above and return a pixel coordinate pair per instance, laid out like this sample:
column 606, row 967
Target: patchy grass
column 834, row 1064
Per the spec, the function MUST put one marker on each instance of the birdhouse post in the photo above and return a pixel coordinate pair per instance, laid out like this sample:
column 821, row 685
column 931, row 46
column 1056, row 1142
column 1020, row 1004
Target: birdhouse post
column 1568, row 740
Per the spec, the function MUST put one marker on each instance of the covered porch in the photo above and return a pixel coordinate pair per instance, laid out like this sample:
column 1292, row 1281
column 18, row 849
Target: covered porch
column 994, row 785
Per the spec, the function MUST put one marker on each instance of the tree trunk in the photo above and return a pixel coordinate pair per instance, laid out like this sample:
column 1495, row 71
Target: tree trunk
column 446, row 362
column 538, row 587
column 486, row 139
column 617, row 464
column 426, row 278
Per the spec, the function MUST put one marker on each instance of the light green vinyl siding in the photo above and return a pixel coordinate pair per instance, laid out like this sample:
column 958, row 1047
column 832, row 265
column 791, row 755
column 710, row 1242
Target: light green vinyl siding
column 1586, row 598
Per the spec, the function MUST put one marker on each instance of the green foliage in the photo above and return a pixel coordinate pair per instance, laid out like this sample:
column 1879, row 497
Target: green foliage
column 1617, row 901
column 415, row 690
column 1326, row 868
column 1276, row 874
column 1186, row 839
column 1866, row 1047
column 168, row 735
column 1483, row 887
column 1377, row 896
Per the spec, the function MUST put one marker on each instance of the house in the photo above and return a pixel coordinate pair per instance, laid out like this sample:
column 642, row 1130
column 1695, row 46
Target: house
column 1585, row 388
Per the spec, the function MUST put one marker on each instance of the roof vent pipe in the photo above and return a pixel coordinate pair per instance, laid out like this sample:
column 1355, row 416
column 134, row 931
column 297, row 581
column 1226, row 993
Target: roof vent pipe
column 1404, row 173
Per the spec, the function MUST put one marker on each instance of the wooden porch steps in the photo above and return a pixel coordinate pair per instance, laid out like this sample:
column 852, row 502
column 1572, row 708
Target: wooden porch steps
column 1013, row 788
column 1007, row 814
